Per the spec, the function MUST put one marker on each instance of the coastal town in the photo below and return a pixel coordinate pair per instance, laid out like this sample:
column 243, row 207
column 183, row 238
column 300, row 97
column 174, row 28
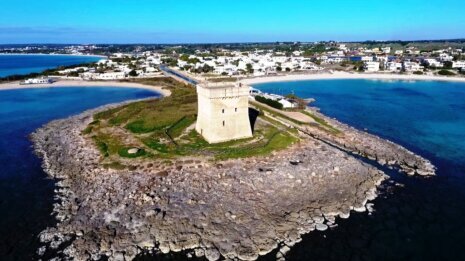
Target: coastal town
column 259, row 61
column 254, row 63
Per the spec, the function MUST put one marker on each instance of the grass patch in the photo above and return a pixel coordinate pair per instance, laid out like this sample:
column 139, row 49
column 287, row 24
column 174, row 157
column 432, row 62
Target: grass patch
column 446, row 72
column 177, row 129
column 157, row 126
column 276, row 114
column 322, row 122
column 155, row 144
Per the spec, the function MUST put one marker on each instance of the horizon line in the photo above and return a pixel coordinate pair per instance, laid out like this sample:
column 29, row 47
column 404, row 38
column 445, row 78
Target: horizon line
column 246, row 42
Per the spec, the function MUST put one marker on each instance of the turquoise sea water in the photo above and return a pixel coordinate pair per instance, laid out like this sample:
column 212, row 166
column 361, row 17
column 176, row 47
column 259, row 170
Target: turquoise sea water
column 25, row 64
column 26, row 195
column 421, row 219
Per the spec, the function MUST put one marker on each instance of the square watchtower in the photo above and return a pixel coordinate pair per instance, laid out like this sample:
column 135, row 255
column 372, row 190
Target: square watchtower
column 223, row 112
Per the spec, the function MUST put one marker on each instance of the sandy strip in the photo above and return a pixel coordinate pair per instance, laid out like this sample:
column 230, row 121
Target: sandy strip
column 343, row 75
column 81, row 83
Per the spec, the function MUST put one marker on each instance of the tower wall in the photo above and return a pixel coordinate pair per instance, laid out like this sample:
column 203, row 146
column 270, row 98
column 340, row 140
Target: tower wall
column 223, row 112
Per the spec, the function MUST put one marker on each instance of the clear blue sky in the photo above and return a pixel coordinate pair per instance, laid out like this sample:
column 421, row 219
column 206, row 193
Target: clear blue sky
column 194, row 21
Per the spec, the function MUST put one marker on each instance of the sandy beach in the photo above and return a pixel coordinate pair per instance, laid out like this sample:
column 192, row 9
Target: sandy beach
column 81, row 83
column 344, row 75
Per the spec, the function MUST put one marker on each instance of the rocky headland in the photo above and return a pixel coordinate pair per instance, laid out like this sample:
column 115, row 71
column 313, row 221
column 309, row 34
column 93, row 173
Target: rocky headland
column 235, row 209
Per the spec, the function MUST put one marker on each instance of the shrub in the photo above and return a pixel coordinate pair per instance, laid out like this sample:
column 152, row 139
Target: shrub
column 445, row 72
column 418, row 72
column 269, row 102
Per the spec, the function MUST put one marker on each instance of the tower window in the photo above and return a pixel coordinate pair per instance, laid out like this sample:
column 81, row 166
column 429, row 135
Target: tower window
column 223, row 123
column 223, row 110
column 235, row 109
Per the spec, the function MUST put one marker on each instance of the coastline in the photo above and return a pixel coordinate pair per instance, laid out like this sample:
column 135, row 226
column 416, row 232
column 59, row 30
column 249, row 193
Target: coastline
column 56, row 54
column 348, row 76
column 256, row 204
column 273, row 203
column 80, row 83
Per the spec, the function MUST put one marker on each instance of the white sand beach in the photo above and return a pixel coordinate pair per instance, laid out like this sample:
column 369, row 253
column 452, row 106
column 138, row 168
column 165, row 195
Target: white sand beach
column 344, row 75
column 81, row 83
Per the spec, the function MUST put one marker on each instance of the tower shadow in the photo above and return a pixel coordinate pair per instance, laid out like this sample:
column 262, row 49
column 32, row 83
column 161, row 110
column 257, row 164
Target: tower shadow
column 253, row 115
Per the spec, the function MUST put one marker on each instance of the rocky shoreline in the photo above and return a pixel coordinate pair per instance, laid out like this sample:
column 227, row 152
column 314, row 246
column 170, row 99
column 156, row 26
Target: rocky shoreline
column 372, row 147
column 236, row 209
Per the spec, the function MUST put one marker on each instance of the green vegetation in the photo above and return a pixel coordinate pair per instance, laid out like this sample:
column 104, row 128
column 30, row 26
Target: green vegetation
column 446, row 72
column 269, row 102
column 164, row 129
column 274, row 113
column 418, row 72
column 322, row 122
column 448, row 65
column 204, row 69
column 249, row 68
column 186, row 58
column 133, row 73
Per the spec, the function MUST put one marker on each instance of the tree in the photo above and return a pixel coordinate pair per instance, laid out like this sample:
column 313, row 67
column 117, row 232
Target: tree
column 184, row 57
column 249, row 68
column 206, row 68
column 447, row 65
column 279, row 68
column 446, row 73
column 301, row 103
column 288, row 69
column 133, row 73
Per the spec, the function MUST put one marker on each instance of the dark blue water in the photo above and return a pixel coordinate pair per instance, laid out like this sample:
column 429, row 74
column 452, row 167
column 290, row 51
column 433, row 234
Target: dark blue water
column 424, row 218
column 25, row 64
column 26, row 195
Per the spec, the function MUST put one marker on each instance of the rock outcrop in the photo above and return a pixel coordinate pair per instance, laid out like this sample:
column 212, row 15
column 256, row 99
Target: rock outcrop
column 237, row 209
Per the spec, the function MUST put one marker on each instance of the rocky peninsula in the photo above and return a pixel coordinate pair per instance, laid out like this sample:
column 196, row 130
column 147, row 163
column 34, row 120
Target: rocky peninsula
column 233, row 208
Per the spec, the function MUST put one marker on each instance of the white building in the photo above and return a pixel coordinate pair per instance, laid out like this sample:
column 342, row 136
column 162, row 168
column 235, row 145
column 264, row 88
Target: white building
column 433, row 63
column 366, row 58
column 287, row 104
column 386, row 49
column 42, row 80
column 103, row 76
column 393, row 66
column 445, row 57
column 223, row 112
column 371, row 66
column 112, row 76
column 412, row 66
column 458, row 64
column 336, row 59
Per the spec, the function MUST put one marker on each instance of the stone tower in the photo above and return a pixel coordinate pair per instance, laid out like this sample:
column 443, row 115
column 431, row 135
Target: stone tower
column 223, row 113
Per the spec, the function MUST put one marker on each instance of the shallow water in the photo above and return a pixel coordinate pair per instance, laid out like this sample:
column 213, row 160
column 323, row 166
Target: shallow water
column 26, row 195
column 421, row 219
column 25, row 64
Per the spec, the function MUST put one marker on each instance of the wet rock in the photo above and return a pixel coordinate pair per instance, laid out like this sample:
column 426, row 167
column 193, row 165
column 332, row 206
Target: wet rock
column 212, row 254
column 321, row 227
